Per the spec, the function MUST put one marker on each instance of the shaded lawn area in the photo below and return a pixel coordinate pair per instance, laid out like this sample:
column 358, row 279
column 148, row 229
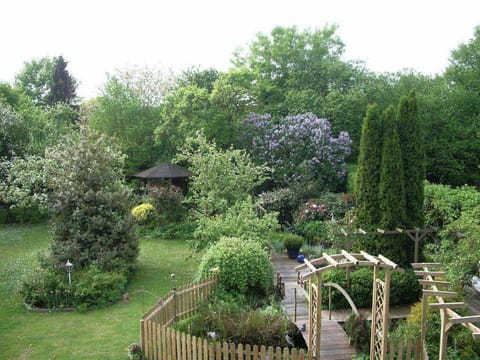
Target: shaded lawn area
column 101, row 334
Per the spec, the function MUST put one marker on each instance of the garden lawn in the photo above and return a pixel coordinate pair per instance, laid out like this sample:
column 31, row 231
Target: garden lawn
column 101, row 334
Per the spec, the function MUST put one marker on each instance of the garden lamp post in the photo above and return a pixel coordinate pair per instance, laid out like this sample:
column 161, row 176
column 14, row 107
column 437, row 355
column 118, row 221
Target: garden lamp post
column 69, row 266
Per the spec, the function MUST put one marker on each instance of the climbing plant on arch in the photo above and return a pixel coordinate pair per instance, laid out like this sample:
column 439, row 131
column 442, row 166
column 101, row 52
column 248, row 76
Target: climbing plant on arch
column 310, row 275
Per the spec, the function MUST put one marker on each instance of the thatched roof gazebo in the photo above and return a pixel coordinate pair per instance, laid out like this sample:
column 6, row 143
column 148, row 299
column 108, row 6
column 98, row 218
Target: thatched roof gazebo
column 175, row 173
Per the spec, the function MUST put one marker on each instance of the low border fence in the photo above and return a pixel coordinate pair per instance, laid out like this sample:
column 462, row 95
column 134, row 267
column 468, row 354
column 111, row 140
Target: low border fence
column 160, row 342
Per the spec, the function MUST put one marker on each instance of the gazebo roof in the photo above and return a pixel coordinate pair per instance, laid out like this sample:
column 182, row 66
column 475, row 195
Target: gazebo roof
column 164, row 171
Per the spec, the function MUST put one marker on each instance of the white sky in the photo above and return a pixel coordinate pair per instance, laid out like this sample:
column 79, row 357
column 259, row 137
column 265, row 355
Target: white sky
column 99, row 36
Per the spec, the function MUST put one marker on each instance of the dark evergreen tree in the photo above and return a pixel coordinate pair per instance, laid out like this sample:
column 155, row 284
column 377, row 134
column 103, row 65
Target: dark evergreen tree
column 90, row 203
column 369, row 162
column 63, row 85
column 413, row 158
column 392, row 193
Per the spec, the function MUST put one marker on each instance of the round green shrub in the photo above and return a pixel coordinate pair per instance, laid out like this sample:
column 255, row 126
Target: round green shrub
column 292, row 241
column 244, row 267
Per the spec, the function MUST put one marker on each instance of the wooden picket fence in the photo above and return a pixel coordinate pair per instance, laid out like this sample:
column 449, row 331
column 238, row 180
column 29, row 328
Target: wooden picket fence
column 180, row 303
column 410, row 350
column 170, row 344
column 160, row 342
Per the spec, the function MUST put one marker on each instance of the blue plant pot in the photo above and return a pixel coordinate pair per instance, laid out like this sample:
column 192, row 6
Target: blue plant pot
column 301, row 258
column 293, row 253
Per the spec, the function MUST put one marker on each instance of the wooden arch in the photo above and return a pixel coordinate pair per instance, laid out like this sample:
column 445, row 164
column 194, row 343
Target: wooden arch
column 310, row 272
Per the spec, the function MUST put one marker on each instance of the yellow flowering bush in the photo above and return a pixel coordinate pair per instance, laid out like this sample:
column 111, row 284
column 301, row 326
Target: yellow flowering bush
column 143, row 213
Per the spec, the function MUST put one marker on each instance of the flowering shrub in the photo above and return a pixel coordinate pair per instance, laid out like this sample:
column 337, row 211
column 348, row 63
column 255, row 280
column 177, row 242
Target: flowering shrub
column 312, row 210
column 168, row 202
column 284, row 201
column 143, row 213
column 298, row 148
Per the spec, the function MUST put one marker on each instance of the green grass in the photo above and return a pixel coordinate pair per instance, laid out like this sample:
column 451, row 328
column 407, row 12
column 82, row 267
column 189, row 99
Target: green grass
column 101, row 334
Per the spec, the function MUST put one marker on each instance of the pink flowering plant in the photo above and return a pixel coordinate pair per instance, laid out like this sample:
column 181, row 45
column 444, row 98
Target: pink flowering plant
column 312, row 211
column 298, row 148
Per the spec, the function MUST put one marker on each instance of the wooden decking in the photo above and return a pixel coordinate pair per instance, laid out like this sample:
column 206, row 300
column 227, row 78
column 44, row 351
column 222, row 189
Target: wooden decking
column 334, row 344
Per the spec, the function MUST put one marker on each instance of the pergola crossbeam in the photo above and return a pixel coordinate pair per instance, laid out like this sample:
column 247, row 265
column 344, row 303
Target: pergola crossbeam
column 433, row 282
column 465, row 319
column 350, row 257
column 429, row 273
column 450, row 305
column 440, row 293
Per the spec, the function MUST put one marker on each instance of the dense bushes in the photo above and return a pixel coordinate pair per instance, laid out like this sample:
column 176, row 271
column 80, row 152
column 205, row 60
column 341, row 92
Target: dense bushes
column 404, row 288
column 243, row 220
column 237, row 323
column 456, row 212
column 244, row 267
column 91, row 287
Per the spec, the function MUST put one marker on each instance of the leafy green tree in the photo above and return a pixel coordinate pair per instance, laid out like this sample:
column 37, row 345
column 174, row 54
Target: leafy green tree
column 35, row 79
column 13, row 132
column 184, row 112
column 204, row 79
column 89, row 202
column 63, row 85
column 463, row 77
column 369, row 169
column 221, row 177
column 231, row 101
column 128, row 111
column 295, row 68
column 413, row 160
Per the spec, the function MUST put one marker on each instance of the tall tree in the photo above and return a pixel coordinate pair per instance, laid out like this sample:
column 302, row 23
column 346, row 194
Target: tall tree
column 369, row 168
column 63, row 85
column 294, row 68
column 391, row 197
column 89, row 202
column 35, row 80
column 391, row 187
column 413, row 159
column 129, row 111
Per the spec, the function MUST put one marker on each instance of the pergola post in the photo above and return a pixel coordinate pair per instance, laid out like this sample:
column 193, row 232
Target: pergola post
column 381, row 297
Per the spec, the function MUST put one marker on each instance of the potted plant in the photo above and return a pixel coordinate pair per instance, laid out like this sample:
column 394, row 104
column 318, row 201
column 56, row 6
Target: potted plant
column 292, row 243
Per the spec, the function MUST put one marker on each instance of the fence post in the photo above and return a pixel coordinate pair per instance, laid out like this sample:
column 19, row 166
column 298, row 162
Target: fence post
column 142, row 335
column 174, row 290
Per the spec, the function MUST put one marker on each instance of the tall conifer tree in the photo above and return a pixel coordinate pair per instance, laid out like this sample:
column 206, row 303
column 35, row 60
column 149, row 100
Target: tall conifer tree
column 413, row 157
column 369, row 162
column 63, row 85
column 392, row 192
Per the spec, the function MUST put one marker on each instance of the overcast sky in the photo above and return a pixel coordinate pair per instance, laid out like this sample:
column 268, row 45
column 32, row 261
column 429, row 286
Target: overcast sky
column 99, row 36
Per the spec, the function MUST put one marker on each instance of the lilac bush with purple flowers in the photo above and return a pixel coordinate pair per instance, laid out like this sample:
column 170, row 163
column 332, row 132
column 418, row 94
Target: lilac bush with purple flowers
column 298, row 148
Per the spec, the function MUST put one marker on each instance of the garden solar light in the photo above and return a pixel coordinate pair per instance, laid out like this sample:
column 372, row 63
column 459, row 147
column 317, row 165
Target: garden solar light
column 69, row 267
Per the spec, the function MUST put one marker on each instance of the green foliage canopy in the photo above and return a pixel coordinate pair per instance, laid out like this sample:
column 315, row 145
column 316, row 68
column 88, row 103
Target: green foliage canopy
column 89, row 202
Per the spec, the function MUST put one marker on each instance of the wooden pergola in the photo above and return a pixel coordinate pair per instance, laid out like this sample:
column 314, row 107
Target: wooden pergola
column 416, row 235
column 432, row 278
column 380, row 303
